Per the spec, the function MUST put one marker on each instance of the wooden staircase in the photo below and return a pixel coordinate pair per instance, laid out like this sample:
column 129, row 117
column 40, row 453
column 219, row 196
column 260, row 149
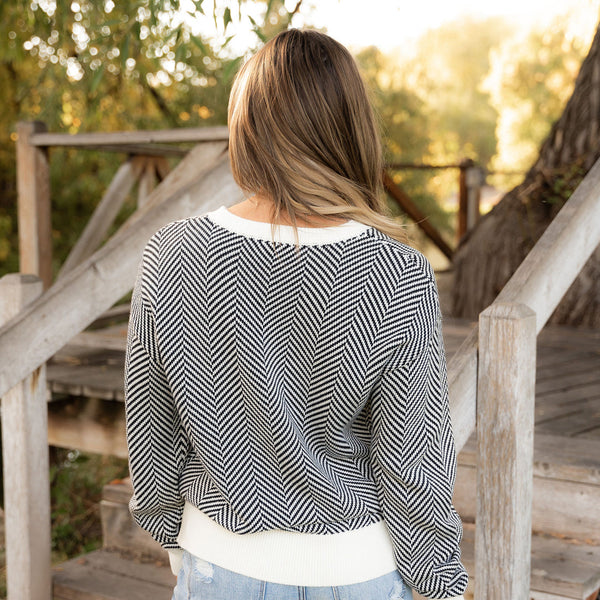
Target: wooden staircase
column 565, row 558
column 490, row 379
column 130, row 566
column 565, row 542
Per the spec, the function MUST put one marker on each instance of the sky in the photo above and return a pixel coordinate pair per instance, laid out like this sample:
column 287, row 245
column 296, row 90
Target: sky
column 390, row 24
column 395, row 25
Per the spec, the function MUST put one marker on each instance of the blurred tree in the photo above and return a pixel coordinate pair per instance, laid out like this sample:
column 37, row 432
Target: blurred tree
column 450, row 63
column 405, row 131
column 89, row 65
column 491, row 252
column 530, row 80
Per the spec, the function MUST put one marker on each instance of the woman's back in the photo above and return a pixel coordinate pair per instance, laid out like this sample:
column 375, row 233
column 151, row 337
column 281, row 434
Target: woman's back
column 301, row 391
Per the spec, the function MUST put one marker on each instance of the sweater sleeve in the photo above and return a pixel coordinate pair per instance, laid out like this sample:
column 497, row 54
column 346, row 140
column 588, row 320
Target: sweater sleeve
column 414, row 456
column 156, row 441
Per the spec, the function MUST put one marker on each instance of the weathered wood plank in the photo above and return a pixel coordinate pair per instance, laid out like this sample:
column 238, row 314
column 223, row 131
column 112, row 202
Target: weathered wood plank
column 560, row 507
column 104, row 215
column 555, row 457
column 559, row 569
column 462, row 388
column 120, row 312
column 118, row 138
column 33, row 204
column 147, row 180
column 587, row 391
column 569, row 380
column 102, row 575
column 505, row 422
column 86, row 380
column 572, row 424
column 25, row 461
column 88, row 424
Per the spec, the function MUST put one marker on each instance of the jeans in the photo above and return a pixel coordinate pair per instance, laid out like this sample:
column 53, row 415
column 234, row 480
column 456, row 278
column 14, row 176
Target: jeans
column 201, row 580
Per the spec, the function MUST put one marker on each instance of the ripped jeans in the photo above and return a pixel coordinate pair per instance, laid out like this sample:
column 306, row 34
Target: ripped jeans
column 201, row 580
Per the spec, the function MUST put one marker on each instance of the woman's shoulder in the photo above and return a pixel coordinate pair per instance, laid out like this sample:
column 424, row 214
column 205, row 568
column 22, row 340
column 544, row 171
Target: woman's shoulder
column 404, row 258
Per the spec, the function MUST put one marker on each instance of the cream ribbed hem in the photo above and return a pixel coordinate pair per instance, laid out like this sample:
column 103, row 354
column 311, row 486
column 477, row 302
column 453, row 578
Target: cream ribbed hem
column 289, row 557
column 307, row 236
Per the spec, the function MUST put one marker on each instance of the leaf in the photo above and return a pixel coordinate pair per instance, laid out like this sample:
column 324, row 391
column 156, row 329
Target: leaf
column 198, row 42
column 269, row 7
column 231, row 68
column 180, row 53
column 112, row 23
column 125, row 50
column 198, row 5
column 97, row 78
column 257, row 30
column 137, row 30
column 226, row 18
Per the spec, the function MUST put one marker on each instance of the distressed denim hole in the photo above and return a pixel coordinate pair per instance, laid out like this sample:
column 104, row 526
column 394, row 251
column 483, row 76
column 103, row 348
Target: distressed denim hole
column 203, row 570
column 397, row 592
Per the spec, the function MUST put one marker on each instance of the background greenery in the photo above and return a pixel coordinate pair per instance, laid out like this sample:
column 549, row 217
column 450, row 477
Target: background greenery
column 472, row 88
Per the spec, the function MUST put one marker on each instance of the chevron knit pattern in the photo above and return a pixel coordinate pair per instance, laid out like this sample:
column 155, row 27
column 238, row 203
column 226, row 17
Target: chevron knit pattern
column 305, row 392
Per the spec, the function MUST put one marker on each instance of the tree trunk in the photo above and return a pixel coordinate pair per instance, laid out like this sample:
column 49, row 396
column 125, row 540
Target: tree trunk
column 492, row 250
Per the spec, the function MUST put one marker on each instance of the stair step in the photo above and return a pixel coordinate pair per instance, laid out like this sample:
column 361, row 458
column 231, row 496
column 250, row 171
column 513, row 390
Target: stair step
column 566, row 485
column 119, row 530
column 560, row 568
column 103, row 575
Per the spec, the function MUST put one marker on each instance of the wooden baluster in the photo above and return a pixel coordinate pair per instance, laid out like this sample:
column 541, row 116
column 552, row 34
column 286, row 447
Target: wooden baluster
column 34, row 215
column 505, row 421
column 25, row 460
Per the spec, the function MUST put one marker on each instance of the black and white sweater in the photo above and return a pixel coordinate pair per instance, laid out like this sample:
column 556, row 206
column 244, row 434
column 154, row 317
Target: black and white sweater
column 298, row 392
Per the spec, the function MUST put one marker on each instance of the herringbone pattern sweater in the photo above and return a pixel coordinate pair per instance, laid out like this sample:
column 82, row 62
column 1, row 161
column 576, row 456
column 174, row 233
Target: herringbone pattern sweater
column 299, row 392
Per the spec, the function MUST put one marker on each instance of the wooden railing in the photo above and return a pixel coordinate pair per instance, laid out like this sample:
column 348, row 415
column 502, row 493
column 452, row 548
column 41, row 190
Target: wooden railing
column 471, row 178
column 491, row 377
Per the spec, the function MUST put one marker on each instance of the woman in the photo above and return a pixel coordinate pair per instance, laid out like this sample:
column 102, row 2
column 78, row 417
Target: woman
column 286, row 393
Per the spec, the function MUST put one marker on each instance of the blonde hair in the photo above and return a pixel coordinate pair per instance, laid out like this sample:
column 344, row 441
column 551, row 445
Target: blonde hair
column 302, row 133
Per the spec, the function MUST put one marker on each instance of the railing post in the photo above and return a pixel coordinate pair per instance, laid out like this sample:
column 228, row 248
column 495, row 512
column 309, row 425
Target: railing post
column 34, row 214
column 505, row 420
column 470, row 180
column 474, row 181
column 25, row 461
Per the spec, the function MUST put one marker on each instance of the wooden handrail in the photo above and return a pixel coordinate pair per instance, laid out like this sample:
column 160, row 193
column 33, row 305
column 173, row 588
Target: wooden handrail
column 552, row 265
column 125, row 138
column 201, row 182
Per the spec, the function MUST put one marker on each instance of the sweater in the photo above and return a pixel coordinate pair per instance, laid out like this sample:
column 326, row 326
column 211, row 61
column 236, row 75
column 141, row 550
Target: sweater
column 276, row 391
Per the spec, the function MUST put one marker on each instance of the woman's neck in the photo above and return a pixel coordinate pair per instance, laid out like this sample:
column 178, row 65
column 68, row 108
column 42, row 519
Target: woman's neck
column 260, row 209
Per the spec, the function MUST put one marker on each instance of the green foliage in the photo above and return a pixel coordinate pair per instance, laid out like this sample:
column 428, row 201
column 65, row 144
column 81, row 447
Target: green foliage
column 446, row 72
column 109, row 66
column 531, row 78
column 407, row 135
column 76, row 482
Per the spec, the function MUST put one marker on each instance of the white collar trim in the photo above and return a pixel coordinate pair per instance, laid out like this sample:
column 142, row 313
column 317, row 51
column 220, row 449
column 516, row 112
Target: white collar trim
column 308, row 236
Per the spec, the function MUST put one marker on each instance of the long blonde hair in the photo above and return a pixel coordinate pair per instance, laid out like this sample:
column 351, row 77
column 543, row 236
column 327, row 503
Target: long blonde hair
column 302, row 132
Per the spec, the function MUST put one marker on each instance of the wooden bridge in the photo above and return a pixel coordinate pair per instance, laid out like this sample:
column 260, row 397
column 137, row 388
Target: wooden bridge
column 528, row 481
